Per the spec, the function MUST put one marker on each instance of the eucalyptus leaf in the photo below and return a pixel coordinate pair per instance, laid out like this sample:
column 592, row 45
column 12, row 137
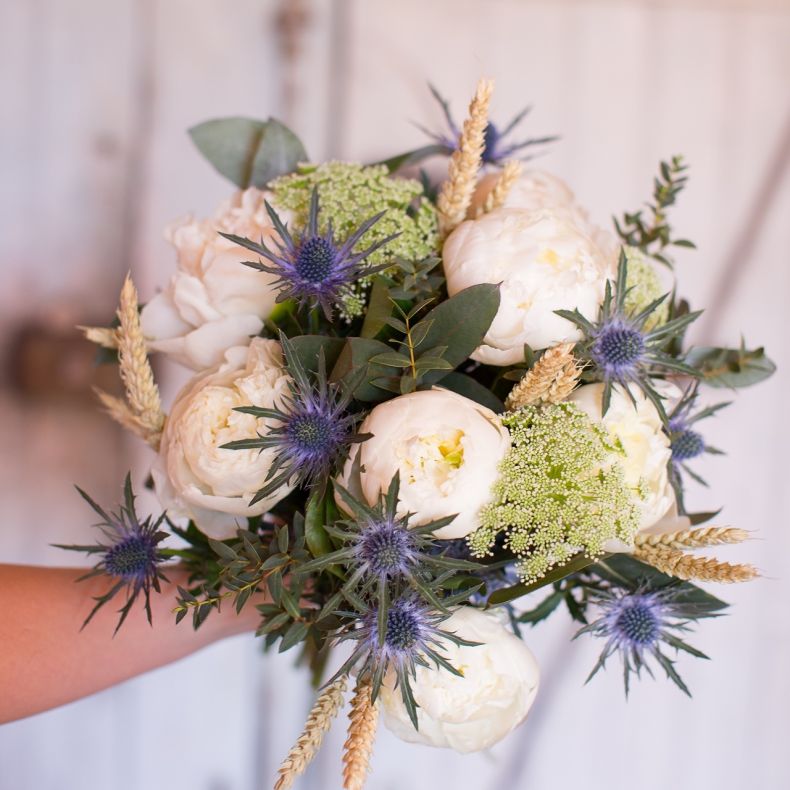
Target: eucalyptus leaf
column 460, row 323
column 412, row 157
column 357, row 353
column 379, row 308
column 247, row 151
column 308, row 348
column 731, row 367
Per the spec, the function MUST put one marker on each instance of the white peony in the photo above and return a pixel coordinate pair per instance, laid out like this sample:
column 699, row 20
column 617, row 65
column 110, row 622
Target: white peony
column 447, row 450
column 646, row 452
column 193, row 476
column 534, row 190
column 544, row 263
column 473, row 712
column 213, row 302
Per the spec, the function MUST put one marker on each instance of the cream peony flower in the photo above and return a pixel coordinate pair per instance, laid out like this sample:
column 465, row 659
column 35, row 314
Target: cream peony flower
column 534, row 190
column 544, row 263
column 447, row 450
column 646, row 452
column 473, row 712
column 213, row 302
column 193, row 476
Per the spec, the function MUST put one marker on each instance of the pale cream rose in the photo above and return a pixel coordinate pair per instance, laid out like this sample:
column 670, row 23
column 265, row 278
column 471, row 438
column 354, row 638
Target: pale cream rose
column 646, row 453
column 194, row 477
column 447, row 450
column 213, row 301
column 473, row 712
column 544, row 263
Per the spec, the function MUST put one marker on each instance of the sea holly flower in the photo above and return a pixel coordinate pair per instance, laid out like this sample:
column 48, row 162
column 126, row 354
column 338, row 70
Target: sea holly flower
column 471, row 712
column 622, row 347
column 686, row 443
column 380, row 547
column 314, row 268
column 309, row 434
column 130, row 555
column 400, row 636
column 637, row 625
column 498, row 149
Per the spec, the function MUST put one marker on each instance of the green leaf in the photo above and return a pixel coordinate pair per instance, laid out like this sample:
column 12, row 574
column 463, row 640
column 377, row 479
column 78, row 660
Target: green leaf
column 379, row 308
column 543, row 609
column 308, row 347
column 731, row 367
column 469, row 388
column 507, row 594
column 391, row 360
column 315, row 534
column 412, row 157
column 223, row 550
column 295, row 634
column 247, row 151
column 357, row 353
column 460, row 323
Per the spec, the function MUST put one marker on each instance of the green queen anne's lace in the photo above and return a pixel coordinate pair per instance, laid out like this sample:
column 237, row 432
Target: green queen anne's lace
column 560, row 491
column 350, row 193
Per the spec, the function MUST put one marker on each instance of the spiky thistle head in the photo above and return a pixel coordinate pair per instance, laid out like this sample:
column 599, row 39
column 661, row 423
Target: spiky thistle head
column 399, row 636
column 312, row 431
column 686, row 442
column 637, row 624
column 311, row 267
column 628, row 348
column 380, row 548
column 498, row 149
column 129, row 554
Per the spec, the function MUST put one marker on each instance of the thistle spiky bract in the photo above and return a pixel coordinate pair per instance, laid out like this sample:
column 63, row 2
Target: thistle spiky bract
column 620, row 347
column 131, row 556
column 637, row 625
column 312, row 268
column 311, row 433
column 498, row 149
column 685, row 441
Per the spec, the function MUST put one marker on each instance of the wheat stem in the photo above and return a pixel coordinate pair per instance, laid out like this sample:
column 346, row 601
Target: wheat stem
column 674, row 562
column 358, row 747
column 456, row 193
column 694, row 538
column 498, row 194
column 137, row 375
column 326, row 707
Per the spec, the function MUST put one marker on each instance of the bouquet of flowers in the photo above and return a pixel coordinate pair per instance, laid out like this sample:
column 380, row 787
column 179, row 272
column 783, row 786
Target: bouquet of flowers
column 414, row 406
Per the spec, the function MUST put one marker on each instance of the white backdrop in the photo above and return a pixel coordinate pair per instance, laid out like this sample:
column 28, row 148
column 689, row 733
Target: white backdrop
column 96, row 97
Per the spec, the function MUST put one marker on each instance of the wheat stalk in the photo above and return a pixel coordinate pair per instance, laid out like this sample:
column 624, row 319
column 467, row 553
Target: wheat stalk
column 550, row 380
column 326, row 706
column 456, row 193
column 358, row 747
column 100, row 335
column 694, row 538
column 142, row 394
column 690, row 568
column 498, row 194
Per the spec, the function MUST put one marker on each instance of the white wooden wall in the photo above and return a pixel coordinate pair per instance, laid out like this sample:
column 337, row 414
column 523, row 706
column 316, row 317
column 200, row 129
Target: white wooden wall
column 96, row 97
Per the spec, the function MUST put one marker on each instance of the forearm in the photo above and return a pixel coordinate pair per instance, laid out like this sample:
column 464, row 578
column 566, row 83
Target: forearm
column 45, row 660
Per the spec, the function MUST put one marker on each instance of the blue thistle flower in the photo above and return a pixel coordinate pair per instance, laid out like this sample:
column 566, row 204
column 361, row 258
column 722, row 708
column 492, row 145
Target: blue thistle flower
column 402, row 635
column 131, row 555
column 687, row 443
column 314, row 268
column 497, row 150
column 312, row 431
column 637, row 624
column 621, row 347
column 380, row 548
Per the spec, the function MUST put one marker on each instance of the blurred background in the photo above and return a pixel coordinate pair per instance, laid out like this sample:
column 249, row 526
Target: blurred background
column 96, row 98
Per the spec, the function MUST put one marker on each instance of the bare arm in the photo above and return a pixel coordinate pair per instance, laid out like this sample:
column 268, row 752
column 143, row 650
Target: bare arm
column 45, row 660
